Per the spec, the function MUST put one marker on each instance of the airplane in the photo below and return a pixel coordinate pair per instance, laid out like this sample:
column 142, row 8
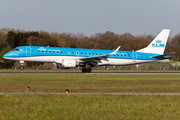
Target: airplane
column 74, row 57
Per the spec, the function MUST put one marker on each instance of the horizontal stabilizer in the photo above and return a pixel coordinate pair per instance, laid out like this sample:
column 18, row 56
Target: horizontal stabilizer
column 166, row 56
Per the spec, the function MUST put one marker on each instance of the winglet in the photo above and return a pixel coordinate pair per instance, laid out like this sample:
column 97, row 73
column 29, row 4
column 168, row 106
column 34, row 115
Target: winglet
column 113, row 53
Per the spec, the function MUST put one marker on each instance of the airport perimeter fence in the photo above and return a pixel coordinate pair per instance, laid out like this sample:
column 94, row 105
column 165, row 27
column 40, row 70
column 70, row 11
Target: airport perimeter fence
column 144, row 66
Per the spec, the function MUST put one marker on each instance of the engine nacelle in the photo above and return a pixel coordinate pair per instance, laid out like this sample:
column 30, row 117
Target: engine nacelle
column 69, row 63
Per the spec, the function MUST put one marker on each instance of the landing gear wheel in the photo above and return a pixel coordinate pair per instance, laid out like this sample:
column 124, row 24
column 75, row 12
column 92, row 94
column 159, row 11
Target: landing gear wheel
column 22, row 68
column 88, row 70
column 83, row 70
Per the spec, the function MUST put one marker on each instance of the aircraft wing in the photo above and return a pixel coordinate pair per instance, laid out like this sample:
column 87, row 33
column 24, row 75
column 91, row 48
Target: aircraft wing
column 98, row 58
column 94, row 59
column 166, row 56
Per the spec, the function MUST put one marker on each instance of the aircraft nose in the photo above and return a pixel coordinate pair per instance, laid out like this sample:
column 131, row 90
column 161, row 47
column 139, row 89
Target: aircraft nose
column 10, row 55
column 7, row 55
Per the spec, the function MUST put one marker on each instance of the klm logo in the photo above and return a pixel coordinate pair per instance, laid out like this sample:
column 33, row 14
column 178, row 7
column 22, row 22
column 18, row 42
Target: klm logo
column 158, row 44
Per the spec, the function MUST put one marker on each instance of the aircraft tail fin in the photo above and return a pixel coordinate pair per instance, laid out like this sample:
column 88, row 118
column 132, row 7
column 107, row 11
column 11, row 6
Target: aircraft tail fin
column 157, row 46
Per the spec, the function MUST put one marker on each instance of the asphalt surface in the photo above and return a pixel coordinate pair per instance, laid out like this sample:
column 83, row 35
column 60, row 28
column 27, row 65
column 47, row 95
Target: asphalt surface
column 103, row 73
column 78, row 93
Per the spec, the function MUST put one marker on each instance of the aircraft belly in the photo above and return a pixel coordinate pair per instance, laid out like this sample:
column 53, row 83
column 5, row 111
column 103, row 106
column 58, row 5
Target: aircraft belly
column 35, row 59
column 120, row 61
column 127, row 61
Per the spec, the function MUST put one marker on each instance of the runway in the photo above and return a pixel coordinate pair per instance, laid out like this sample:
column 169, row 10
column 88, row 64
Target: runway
column 98, row 73
column 78, row 93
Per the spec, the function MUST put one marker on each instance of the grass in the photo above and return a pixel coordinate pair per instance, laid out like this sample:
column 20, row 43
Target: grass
column 90, row 83
column 88, row 107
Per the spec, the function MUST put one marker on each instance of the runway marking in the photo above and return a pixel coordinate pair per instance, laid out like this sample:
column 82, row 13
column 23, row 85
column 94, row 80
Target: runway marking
column 100, row 73
column 78, row 93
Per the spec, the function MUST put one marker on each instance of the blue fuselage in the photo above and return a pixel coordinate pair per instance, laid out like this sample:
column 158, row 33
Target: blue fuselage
column 53, row 54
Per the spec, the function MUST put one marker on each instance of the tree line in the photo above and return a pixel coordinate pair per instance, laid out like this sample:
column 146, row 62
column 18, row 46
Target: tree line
column 10, row 38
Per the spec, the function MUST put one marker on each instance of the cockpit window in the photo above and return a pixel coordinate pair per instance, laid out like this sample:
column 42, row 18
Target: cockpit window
column 15, row 50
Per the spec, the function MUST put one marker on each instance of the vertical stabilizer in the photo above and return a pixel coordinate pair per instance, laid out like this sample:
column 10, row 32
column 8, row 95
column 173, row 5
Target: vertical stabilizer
column 157, row 46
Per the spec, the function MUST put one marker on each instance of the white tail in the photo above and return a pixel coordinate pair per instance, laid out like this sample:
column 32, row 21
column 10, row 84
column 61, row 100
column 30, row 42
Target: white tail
column 158, row 45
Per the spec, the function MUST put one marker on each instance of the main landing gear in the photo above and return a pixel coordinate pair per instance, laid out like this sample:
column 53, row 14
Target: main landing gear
column 22, row 67
column 86, row 70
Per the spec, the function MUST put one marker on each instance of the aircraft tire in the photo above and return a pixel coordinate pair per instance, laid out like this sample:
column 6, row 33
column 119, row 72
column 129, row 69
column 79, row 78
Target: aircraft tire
column 22, row 68
column 88, row 70
column 84, row 70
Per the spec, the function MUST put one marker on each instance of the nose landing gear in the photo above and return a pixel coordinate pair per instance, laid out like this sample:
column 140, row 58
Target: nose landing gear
column 22, row 65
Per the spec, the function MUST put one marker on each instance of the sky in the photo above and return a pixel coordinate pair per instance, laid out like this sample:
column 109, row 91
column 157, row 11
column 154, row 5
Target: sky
column 89, row 17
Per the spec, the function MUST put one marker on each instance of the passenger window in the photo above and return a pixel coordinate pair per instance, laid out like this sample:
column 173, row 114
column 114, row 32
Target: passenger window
column 85, row 53
column 93, row 53
column 96, row 53
column 100, row 53
column 46, row 51
column 69, row 52
column 38, row 50
column 72, row 52
column 17, row 49
column 117, row 54
column 81, row 53
column 57, row 51
column 42, row 51
column 53, row 51
column 61, row 52
column 50, row 51
column 89, row 53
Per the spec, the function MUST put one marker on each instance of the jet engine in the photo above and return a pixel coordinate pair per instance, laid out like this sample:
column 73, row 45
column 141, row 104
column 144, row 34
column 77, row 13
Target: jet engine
column 69, row 63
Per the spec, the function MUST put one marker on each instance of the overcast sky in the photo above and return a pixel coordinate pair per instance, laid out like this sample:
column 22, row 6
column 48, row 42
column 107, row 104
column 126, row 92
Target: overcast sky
column 92, row 16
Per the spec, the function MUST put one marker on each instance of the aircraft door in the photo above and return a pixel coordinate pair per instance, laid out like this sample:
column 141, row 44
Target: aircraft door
column 28, row 51
column 134, row 56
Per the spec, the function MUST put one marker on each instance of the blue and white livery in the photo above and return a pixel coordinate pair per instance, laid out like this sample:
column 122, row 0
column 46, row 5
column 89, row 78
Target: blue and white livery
column 73, row 57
